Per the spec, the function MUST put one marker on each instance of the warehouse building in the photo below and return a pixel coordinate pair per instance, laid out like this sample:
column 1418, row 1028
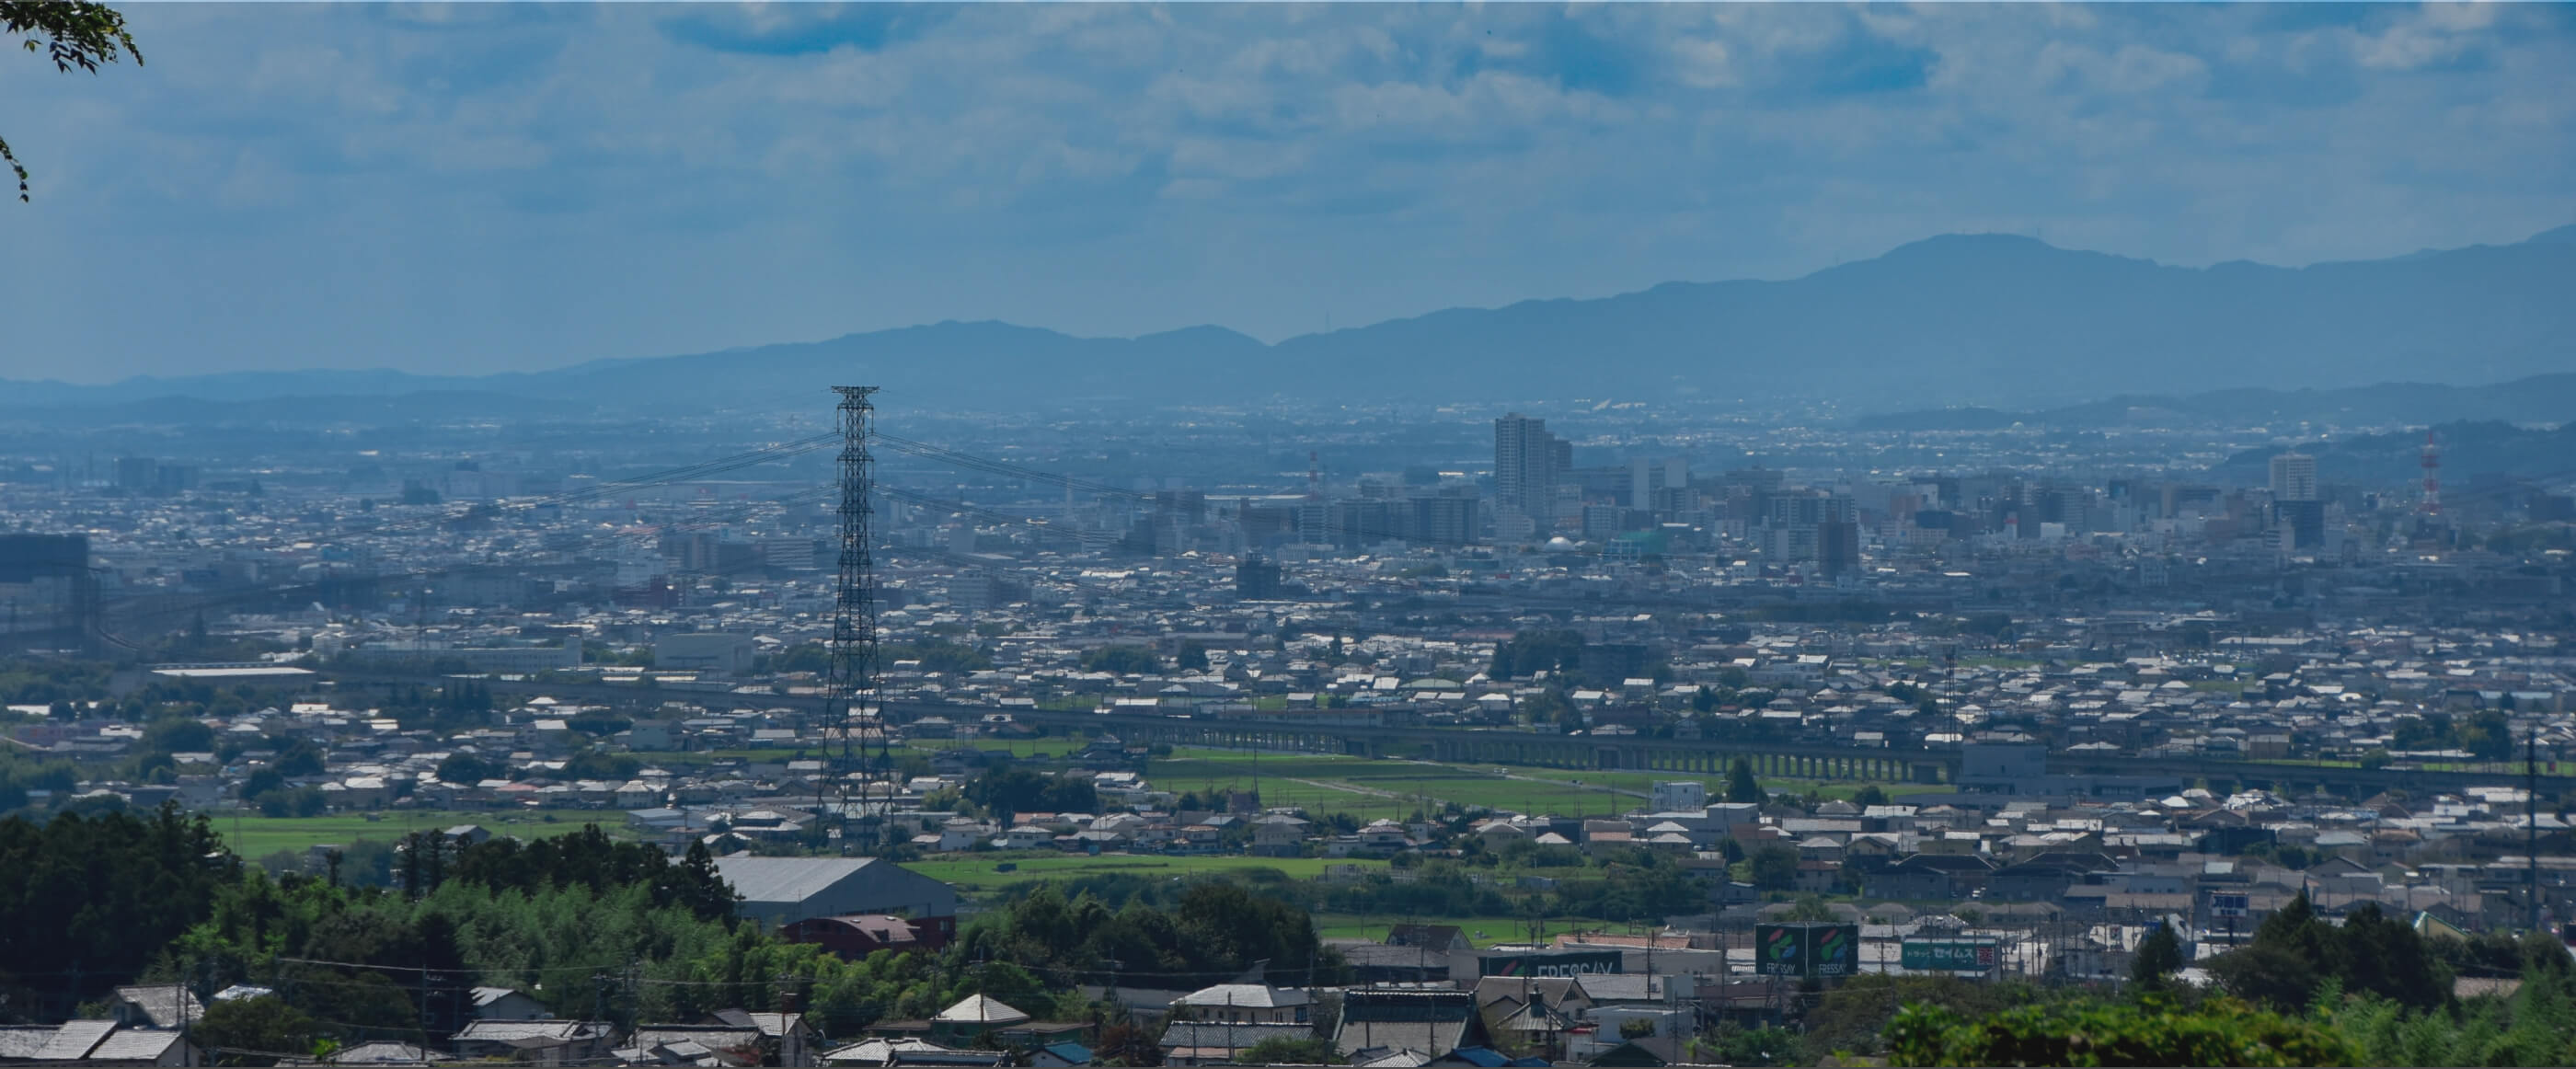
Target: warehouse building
column 778, row 891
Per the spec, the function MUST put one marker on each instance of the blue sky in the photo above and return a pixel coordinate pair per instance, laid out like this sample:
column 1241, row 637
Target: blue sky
column 473, row 188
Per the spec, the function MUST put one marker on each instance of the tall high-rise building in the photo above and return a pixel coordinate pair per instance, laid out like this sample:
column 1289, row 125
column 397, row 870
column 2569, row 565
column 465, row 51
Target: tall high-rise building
column 1798, row 525
column 1808, row 507
column 1360, row 523
column 1644, row 478
column 1526, row 459
column 2298, row 509
column 1256, row 578
column 2294, row 477
column 51, row 594
column 1444, row 518
column 1658, row 485
column 1838, row 547
column 2300, row 524
column 138, row 473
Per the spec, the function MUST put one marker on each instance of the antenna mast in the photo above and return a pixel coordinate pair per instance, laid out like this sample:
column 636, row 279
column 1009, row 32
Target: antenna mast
column 850, row 695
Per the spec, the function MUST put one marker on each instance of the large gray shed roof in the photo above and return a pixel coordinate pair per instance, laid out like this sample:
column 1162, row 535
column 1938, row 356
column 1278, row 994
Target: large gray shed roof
column 787, row 879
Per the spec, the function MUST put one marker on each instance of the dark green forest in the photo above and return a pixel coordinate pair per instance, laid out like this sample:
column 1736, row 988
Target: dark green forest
column 590, row 926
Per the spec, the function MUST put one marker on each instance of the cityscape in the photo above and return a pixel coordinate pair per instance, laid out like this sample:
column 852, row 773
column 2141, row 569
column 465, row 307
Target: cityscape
column 1971, row 651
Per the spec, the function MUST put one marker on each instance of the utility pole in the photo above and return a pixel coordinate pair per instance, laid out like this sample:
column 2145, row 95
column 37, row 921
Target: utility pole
column 2531, row 818
column 424, row 1005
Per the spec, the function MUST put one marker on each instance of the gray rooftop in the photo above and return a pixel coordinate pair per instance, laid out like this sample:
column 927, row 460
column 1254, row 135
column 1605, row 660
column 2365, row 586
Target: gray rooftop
column 786, row 879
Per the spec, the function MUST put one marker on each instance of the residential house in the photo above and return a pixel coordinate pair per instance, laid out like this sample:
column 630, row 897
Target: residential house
column 98, row 1042
column 1442, row 937
column 506, row 1004
column 1060, row 1055
column 974, row 1017
column 1220, row 1042
column 167, row 1006
column 859, row 935
column 1243, row 1003
column 713, row 1045
column 910, row 1051
column 535, row 1042
column 785, row 1038
column 1405, row 1026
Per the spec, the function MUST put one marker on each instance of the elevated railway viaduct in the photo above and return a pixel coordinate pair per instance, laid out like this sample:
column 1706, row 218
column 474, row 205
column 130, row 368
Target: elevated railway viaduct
column 1684, row 758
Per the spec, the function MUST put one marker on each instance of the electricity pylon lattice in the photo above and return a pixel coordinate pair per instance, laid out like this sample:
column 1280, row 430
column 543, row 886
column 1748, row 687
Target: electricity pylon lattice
column 850, row 693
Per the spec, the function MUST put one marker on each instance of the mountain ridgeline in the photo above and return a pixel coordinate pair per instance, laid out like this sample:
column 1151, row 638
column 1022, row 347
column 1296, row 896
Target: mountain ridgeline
column 1992, row 320
column 2539, row 399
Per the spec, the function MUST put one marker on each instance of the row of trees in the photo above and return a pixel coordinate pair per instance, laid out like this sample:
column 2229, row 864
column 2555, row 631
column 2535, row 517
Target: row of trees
column 1638, row 885
column 590, row 926
column 1208, row 932
column 1530, row 652
column 2487, row 734
column 2295, row 954
column 20, row 774
column 2088, row 1032
column 88, row 901
column 353, row 964
column 606, row 944
column 586, row 859
column 2303, row 991
column 1007, row 791
column 1122, row 660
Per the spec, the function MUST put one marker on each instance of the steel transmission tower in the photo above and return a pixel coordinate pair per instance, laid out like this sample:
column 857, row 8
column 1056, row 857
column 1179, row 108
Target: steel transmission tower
column 850, row 694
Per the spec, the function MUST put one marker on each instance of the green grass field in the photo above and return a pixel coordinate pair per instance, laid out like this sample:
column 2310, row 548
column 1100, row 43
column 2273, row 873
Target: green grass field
column 693, row 758
column 1026, row 748
column 1369, row 788
column 977, row 872
column 257, row 837
column 1029, row 748
column 1644, row 782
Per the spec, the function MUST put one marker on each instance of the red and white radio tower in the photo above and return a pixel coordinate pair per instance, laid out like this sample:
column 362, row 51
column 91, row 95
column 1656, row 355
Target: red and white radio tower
column 2432, row 475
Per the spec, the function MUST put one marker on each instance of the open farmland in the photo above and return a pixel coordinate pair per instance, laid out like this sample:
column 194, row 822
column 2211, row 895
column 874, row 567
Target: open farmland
column 1370, row 788
column 981, row 872
column 257, row 836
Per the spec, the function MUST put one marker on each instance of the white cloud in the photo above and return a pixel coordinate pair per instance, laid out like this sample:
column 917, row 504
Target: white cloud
column 1705, row 63
column 1255, row 166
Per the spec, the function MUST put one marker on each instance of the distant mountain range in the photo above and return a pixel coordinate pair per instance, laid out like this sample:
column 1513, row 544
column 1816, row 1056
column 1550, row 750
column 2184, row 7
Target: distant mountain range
column 1999, row 321
column 2538, row 399
column 2473, row 453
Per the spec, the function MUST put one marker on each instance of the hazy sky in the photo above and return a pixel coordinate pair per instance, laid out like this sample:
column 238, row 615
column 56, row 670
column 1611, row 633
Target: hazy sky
column 484, row 187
